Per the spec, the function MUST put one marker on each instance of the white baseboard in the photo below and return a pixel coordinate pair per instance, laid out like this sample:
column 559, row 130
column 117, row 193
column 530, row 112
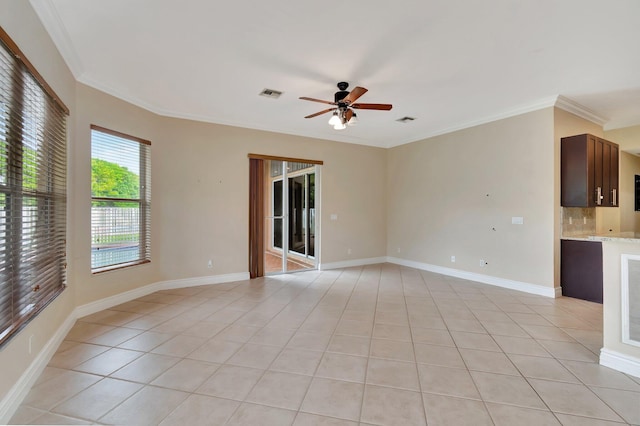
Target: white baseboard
column 118, row 299
column 558, row 291
column 111, row 301
column 21, row 388
column 197, row 281
column 485, row 279
column 620, row 362
column 12, row 400
column 351, row 263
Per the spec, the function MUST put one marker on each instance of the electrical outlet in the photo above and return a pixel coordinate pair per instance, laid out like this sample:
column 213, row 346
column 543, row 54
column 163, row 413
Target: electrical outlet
column 210, row 264
column 398, row 249
column 453, row 259
column 483, row 263
column 348, row 251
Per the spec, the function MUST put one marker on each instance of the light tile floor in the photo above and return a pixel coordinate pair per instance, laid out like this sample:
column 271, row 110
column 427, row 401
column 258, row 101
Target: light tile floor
column 379, row 345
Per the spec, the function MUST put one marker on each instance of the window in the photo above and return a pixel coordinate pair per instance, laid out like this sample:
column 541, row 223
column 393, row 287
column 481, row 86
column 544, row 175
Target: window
column 32, row 191
column 120, row 200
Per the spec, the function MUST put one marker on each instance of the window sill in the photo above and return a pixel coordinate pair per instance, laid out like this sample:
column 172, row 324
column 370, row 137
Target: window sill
column 118, row 266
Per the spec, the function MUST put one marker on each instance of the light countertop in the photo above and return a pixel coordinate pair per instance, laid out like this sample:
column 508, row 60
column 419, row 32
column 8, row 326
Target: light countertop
column 631, row 237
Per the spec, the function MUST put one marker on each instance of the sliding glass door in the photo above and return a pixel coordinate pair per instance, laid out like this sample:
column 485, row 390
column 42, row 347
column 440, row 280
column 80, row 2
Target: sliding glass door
column 290, row 228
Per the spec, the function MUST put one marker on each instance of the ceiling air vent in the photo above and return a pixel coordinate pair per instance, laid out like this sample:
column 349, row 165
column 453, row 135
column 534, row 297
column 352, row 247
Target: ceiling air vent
column 269, row 93
column 405, row 119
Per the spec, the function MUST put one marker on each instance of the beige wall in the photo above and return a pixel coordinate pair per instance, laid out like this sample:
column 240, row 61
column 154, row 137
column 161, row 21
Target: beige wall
column 447, row 193
column 629, row 168
column 628, row 138
column 201, row 173
column 95, row 107
column 200, row 184
column 20, row 22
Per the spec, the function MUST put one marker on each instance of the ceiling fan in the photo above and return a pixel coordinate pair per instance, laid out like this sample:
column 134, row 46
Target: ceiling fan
column 343, row 112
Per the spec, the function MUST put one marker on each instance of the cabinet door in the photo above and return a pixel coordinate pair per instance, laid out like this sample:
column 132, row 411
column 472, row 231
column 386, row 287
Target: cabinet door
column 598, row 190
column 577, row 171
column 588, row 172
column 613, row 177
column 607, row 199
column 581, row 269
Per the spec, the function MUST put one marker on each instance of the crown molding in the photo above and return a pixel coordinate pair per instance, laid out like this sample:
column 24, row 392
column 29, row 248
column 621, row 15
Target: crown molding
column 622, row 123
column 575, row 108
column 519, row 110
column 52, row 22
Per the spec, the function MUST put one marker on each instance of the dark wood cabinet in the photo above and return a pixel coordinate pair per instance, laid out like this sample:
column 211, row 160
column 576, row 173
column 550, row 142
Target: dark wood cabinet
column 581, row 269
column 588, row 172
column 614, row 175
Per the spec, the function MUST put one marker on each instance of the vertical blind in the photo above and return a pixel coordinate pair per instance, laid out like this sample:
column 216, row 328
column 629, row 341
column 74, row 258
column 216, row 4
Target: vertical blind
column 256, row 217
column 32, row 192
column 120, row 203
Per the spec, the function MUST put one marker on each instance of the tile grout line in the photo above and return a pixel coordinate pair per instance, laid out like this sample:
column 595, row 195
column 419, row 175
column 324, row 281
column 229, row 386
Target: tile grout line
column 281, row 350
column 484, row 403
column 373, row 324
column 144, row 385
column 413, row 343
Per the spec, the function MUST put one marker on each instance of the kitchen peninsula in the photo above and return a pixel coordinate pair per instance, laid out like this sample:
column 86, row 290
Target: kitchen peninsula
column 613, row 261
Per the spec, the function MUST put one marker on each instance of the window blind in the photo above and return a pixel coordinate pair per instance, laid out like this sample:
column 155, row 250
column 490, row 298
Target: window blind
column 120, row 203
column 32, row 192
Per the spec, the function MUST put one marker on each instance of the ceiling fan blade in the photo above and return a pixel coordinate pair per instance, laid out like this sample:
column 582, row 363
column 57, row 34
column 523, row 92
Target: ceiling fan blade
column 321, row 112
column 348, row 114
column 304, row 98
column 385, row 107
column 354, row 94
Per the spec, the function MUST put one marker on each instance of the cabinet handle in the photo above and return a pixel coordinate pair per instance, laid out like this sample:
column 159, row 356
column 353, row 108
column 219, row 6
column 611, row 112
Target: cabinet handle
column 599, row 196
column 615, row 201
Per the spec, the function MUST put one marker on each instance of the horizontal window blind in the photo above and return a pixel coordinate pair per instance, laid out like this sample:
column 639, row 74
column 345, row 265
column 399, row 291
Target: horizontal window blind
column 120, row 204
column 32, row 193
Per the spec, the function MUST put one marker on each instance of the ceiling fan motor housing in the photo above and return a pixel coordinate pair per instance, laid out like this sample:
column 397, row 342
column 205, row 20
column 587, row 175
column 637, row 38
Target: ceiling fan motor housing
column 340, row 95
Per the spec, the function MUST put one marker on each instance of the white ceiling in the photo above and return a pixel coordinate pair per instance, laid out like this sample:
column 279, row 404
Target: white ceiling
column 448, row 63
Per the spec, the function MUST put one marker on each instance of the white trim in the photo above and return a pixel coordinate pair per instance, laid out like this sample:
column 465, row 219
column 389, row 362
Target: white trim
column 108, row 302
column 485, row 279
column 624, row 297
column 513, row 112
column 10, row 403
column 52, row 22
column 118, row 299
column 620, row 362
column 351, row 263
column 558, row 291
column 575, row 108
column 317, row 249
column 197, row 281
column 621, row 123
column 12, row 400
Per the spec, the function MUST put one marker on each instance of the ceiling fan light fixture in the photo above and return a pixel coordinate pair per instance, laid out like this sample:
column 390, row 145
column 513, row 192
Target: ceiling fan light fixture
column 343, row 106
column 335, row 119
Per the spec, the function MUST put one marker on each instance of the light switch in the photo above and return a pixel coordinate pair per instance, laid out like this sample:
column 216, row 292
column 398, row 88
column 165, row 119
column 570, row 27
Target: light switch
column 334, row 216
column 517, row 220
